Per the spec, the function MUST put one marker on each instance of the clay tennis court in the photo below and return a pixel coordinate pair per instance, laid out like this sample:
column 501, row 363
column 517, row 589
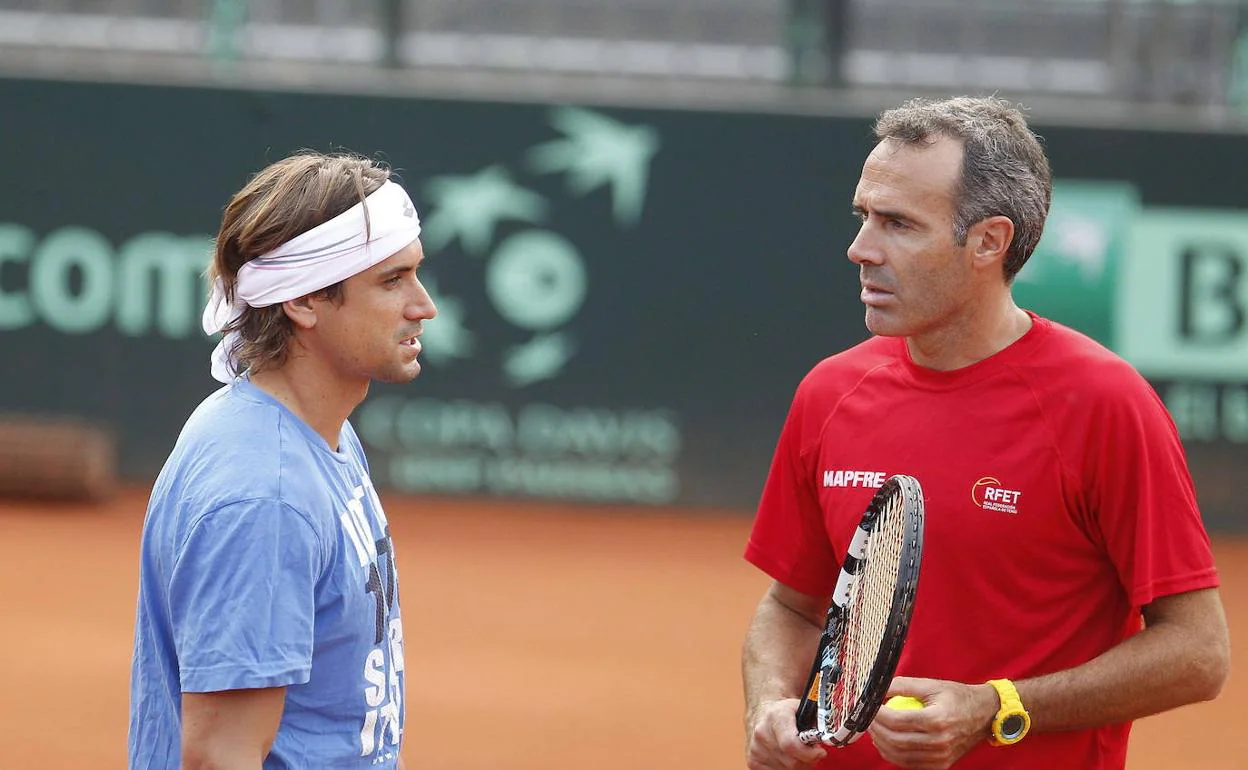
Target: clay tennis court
column 538, row 636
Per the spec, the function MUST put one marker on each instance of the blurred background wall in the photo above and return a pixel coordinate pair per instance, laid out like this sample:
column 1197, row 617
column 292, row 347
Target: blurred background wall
column 636, row 211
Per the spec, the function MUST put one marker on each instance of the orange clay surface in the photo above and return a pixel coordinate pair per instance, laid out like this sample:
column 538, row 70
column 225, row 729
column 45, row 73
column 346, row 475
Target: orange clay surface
column 539, row 637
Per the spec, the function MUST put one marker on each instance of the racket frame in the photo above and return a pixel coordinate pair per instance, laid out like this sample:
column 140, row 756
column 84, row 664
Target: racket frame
column 815, row 710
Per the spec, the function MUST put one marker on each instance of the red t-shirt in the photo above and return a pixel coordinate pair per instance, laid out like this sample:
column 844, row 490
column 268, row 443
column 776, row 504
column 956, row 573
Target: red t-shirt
column 1058, row 503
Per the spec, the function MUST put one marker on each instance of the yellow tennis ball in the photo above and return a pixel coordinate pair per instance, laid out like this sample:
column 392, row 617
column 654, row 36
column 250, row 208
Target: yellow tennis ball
column 904, row 703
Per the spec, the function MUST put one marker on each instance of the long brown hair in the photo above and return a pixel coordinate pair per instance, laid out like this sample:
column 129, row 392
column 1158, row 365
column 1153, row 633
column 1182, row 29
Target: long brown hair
column 283, row 200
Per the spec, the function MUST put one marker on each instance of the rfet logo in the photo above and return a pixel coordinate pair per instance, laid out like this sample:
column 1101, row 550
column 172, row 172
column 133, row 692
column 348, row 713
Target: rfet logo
column 991, row 496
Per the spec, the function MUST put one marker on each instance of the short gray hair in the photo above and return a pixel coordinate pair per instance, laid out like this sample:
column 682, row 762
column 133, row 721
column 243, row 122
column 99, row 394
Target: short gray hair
column 1004, row 168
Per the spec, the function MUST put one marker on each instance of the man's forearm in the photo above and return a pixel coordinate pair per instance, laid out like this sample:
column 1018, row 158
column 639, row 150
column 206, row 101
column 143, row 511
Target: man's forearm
column 1164, row 666
column 777, row 654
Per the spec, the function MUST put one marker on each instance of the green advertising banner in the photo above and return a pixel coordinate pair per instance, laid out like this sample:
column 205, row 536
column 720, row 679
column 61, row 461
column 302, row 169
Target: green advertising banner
column 1165, row 288
column 1073, row 274
column 627, row 297
column 1184, row 294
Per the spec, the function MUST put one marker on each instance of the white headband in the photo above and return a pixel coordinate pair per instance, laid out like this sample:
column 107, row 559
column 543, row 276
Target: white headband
column 328, row 253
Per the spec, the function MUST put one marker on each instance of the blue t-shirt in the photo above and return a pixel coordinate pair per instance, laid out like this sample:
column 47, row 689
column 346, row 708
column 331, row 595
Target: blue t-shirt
column 266, row 561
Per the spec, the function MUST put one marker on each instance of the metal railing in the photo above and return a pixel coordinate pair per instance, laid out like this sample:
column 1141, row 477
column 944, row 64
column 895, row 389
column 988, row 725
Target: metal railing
column 1164, row 51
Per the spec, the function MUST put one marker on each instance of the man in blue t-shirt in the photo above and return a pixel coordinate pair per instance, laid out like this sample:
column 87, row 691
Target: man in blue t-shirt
column 268, row 632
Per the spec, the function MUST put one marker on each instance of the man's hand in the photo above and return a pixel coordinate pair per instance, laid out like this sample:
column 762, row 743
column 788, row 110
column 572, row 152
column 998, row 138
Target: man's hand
column 772, row 743
column 955, row 718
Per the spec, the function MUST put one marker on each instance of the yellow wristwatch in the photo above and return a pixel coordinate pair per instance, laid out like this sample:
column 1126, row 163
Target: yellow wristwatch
column 1012, row 720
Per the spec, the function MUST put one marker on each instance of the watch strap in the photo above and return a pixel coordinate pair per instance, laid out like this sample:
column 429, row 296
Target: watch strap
column 1011, row 706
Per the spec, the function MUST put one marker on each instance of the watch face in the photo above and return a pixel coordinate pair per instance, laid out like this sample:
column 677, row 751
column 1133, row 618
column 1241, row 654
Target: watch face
column 1012, row 726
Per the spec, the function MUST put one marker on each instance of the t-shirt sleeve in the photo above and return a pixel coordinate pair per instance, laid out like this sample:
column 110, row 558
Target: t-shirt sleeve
column 1143, row 499
column 789, row 540
column 242, row 598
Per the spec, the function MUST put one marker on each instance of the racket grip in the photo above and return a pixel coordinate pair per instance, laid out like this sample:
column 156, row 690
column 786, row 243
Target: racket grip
column 807, row 714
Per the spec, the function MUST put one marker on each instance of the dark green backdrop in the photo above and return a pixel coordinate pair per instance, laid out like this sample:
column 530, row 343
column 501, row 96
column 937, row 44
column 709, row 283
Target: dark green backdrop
column 695, row 319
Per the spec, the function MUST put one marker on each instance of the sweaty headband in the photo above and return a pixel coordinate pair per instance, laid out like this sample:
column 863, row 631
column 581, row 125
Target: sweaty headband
column 328, row 253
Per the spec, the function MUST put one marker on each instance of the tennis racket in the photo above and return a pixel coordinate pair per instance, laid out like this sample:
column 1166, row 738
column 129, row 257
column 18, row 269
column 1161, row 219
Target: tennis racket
column 868, row 618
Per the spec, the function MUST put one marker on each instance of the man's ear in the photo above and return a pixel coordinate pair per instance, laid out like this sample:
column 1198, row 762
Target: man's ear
column 991, row 239
column 301, row 311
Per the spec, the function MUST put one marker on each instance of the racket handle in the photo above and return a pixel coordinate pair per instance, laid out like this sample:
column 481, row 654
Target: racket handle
column 807, row 715
column 809, row 737
column 808, row 707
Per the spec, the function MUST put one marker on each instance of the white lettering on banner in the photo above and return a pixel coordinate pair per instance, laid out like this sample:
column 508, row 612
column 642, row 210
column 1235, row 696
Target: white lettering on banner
column 538, row 450
column 76, row 283
column 63, row 252
column 844, row 478
column 391, row 423
column 578, row 479
column 16, row 243
column 1205, row 411
column 550, row 429
column 438, row 474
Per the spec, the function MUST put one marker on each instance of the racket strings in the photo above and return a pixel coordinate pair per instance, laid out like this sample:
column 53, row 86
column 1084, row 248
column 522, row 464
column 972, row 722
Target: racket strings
column 871, row 602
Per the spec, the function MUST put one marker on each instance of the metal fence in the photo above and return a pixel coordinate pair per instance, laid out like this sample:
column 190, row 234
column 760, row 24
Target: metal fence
column 1167, row 51
column 1150, row 50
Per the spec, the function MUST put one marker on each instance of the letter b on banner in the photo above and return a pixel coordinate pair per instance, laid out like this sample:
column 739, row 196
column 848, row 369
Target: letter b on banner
column 1183, row 296
column 1210, row 310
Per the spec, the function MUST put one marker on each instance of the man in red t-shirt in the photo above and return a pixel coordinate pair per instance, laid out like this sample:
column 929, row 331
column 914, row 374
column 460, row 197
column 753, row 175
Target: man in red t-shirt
column 1065, row 563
